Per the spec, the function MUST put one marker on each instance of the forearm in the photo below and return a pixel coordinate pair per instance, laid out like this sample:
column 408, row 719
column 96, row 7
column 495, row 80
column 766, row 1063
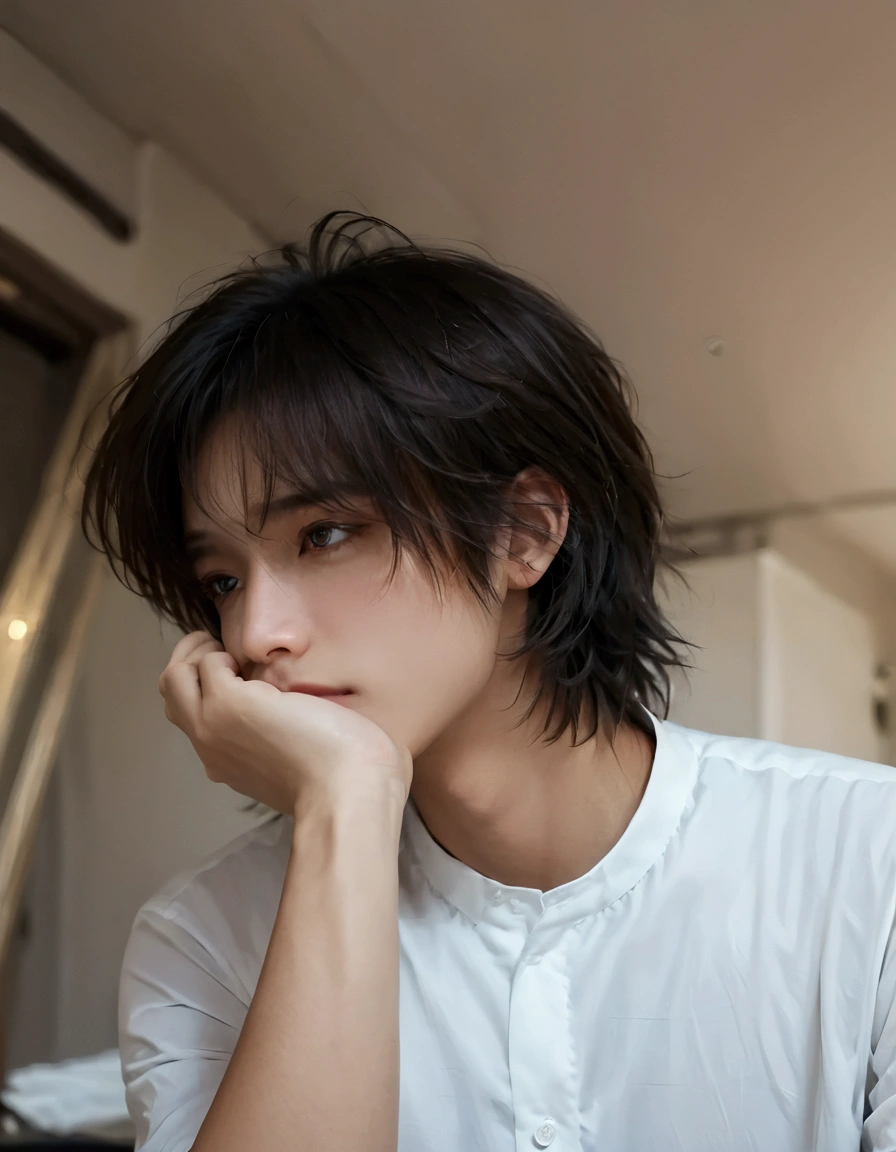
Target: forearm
column 316, row 1065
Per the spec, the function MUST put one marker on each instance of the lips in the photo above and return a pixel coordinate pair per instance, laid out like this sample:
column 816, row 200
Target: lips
column 324, row 691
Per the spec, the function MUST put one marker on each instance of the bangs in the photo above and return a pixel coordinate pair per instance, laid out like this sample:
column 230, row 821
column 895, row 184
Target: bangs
column 325, row 427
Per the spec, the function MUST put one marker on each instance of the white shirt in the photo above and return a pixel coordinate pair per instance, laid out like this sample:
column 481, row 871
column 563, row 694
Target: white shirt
column 722, row 981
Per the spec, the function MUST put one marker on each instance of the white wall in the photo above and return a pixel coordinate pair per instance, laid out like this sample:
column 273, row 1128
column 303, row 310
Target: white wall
column 814, row 544
column 186, row 236
column 817, row 665
column 783, row 657
column 135, row 804
column 718, row 612
column 67, row 125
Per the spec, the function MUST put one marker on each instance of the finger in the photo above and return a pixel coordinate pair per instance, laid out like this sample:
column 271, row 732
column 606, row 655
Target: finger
column 203, row 649
column 183, row 696
column 216, row 671
column 188, row 645
column 187, row 651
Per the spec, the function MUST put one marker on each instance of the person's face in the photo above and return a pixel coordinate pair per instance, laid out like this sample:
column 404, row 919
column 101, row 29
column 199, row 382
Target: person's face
column 308, row 602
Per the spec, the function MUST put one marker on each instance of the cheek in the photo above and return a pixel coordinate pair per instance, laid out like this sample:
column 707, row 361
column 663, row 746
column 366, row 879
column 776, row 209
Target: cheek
column 227, row 632
column 229, row 617
column 423, row 664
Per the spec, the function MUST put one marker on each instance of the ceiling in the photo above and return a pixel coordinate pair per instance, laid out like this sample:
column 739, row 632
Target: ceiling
column 674, row 169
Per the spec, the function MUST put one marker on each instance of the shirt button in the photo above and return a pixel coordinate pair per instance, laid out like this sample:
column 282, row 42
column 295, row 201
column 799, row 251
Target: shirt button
column 498, row 897
column 545, row 1133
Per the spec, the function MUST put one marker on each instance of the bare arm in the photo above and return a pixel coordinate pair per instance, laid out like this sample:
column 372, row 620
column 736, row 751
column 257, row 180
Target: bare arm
column 316, row 1065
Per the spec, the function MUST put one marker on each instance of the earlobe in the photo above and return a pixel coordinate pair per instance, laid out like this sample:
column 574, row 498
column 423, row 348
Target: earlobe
column 541, row 507
column 524, row 574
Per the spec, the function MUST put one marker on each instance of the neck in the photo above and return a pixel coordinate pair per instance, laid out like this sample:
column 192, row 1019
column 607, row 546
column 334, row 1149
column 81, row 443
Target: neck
column 523, row 812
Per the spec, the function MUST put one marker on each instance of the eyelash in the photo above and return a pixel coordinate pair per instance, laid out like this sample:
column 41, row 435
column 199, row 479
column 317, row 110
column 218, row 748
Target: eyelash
column 207, row 584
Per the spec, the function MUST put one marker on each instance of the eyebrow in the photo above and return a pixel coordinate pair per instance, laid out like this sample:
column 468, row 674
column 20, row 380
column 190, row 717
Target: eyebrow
column 200, row 543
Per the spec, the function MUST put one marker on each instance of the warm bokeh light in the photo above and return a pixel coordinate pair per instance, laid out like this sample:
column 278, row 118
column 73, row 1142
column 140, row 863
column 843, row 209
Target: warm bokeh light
column 17, row 629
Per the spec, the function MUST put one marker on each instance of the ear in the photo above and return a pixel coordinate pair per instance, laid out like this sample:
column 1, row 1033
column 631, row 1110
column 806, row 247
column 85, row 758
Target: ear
column 542, row 507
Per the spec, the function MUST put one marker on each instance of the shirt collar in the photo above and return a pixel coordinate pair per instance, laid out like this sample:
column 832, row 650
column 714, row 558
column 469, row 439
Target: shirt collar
column 653, row 825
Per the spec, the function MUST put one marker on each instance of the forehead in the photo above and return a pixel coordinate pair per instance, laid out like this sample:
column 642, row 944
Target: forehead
column 227, row 478
column 230, row 486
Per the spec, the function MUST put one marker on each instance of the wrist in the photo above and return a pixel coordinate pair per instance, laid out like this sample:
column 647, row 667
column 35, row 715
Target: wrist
column 377, row 807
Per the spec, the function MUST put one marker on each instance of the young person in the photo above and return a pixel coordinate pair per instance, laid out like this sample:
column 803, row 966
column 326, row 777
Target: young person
column 397, row 498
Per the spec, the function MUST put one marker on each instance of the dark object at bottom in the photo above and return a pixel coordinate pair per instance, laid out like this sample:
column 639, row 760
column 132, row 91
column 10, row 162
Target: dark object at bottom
column 15, row 1133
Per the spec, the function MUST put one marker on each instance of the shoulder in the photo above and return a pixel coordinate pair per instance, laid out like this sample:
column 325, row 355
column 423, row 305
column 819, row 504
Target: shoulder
column 249, row 860
column 221, row 911
column 189, row 972
column 795, row 794
column 761, row 757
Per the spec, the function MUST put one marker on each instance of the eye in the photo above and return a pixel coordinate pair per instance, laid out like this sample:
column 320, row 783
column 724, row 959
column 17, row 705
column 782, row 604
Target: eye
column 321, row 537
column 324, row 537
column 216, row 587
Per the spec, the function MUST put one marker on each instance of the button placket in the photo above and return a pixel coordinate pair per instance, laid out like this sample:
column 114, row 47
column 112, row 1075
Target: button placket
column 539, row 1048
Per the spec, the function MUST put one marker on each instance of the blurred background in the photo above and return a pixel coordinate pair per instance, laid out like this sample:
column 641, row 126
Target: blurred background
column 710, row 185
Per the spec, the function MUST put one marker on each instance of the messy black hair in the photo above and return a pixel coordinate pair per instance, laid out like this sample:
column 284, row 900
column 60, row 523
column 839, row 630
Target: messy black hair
column 426, row 379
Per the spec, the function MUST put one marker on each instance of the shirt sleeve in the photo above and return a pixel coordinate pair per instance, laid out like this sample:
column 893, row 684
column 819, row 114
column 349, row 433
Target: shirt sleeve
column 180, row 1016
column 879, row 1130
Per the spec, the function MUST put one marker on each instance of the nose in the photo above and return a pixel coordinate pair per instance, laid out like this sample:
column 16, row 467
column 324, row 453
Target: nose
column 273, row 621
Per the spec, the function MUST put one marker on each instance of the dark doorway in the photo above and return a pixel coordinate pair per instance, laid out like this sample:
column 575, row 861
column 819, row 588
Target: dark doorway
column 41, row 357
